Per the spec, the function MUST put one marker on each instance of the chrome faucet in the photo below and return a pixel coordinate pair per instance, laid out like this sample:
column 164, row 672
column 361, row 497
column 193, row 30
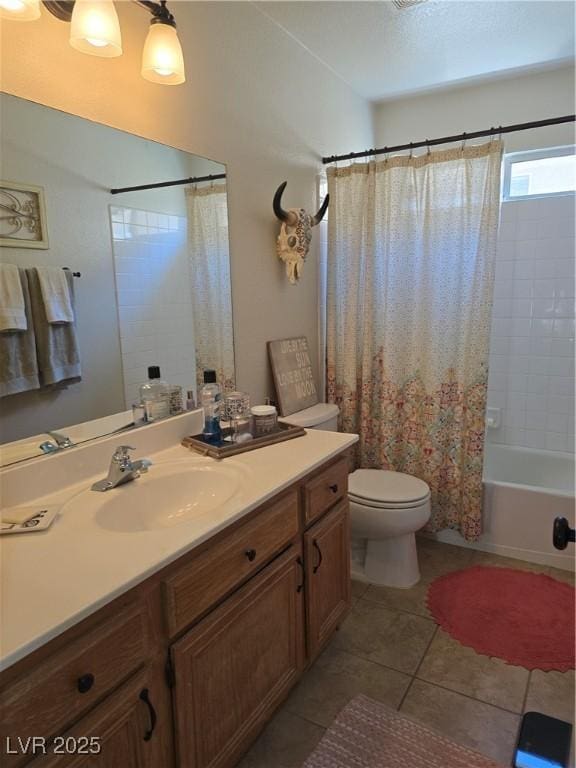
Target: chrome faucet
column 60, row 443
column 122, row 469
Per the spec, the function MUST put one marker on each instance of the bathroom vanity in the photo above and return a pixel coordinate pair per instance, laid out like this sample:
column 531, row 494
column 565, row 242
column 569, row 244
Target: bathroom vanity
column 185, row 667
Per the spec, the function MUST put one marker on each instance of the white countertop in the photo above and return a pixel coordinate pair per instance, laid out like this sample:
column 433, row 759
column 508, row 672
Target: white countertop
column 51, row 580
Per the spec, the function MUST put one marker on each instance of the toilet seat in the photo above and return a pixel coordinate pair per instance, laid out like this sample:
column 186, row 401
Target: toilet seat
column 384, row 489
column 388, row 505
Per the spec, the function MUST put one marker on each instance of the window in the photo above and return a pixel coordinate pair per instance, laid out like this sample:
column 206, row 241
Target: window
column 539, row 173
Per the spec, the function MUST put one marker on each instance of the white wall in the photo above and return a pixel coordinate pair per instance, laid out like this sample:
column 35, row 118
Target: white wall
column 534, row 96
column 254, row 99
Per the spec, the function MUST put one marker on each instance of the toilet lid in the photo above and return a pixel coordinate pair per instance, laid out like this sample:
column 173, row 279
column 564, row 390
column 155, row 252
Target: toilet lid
column 311, row 417
column 386, row 487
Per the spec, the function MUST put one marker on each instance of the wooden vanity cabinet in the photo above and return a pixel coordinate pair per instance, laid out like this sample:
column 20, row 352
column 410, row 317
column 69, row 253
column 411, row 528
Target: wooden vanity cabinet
column 184, row 670
column 233, row 669
column 122, row 732
column 328, row 586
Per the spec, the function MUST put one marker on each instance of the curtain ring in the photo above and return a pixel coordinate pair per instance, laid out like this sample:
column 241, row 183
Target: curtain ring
column 428, row 153
column 463, row 142
column 499, row 133
column 491, row 134
column 411, row 150
column 386, row 153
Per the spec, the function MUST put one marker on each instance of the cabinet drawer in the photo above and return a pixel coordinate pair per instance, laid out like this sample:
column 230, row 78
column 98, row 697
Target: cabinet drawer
column 226, row 563
column 324, row 490
column 64, row 686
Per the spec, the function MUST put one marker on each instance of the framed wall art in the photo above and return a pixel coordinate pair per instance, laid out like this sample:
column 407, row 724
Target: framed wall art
column 22, row 216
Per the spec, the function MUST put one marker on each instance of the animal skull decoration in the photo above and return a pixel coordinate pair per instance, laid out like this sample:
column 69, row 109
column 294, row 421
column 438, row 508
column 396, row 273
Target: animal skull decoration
column 295, row 234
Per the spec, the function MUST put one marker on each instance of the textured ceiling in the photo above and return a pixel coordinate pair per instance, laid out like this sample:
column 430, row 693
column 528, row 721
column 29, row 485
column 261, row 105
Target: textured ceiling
column 384, row 52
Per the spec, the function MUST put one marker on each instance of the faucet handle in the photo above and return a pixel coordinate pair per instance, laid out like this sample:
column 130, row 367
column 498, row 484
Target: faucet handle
column 121, row 453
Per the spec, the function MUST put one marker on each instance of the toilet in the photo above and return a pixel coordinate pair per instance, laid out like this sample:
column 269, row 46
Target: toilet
column 386, row 510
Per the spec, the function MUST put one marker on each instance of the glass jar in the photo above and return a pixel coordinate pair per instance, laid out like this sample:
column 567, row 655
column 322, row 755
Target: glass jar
column 236, row 417
column 264, row 420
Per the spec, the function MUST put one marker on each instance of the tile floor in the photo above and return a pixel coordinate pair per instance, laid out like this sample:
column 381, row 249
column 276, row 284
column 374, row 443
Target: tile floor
column 389, row 649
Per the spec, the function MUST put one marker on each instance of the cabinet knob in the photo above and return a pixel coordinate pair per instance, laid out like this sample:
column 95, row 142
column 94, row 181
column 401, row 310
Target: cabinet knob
column 334, row 488
column 250, row 554
column 85, row 682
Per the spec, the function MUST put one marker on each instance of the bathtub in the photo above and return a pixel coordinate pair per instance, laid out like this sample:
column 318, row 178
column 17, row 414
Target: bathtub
column 524, row 490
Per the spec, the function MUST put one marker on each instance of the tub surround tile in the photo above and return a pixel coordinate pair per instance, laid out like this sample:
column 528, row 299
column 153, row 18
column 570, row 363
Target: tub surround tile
column 488, row 729
column 533, row 292
column 451, row 665
column 392, row 638
column 337, row 677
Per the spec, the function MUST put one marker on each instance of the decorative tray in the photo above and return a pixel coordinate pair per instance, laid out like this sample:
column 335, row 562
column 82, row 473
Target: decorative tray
column 225, row 448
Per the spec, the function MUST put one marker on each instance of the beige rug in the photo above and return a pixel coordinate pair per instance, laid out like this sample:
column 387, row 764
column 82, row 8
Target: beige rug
column 367, row 734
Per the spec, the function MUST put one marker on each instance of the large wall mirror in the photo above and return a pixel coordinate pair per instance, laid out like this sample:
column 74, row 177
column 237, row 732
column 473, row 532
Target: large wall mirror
column 147, row 272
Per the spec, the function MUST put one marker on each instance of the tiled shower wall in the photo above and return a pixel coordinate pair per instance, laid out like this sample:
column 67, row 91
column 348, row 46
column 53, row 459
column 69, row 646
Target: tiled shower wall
column 531, row 378
column 154, row 298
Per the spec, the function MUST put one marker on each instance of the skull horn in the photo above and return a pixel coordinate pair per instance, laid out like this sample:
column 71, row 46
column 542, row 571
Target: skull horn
column 320, row 215
column 286, row 216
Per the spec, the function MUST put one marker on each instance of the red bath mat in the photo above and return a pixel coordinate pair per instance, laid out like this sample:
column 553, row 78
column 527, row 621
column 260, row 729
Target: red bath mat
column 526, row 619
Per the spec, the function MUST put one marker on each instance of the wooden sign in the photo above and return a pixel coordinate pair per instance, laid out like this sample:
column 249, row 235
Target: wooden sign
column 292, row 371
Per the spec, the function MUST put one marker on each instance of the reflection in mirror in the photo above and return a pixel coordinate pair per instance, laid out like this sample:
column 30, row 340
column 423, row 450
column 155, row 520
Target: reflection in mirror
column 152, row 285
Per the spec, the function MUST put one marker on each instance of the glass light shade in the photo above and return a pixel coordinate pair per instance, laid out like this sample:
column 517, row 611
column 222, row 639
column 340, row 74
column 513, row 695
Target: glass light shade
column 162, row 59
column 20, row 10
column 95, row 28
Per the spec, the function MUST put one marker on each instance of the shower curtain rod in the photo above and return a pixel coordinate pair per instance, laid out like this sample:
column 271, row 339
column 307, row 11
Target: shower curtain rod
column 447, row 139
column 157, row 185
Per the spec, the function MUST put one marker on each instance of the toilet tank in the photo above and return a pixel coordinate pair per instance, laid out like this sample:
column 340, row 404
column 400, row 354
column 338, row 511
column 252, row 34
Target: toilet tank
column 322, row 416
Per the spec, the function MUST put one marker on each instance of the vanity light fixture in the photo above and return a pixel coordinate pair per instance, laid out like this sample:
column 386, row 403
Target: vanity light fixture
column 20, row 10
column 95, row 30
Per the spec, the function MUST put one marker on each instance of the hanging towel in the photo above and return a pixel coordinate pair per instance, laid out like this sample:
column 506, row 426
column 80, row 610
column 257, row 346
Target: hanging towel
column 12, row 311
column 56, row 343
column 18, row 364
column 55, row 289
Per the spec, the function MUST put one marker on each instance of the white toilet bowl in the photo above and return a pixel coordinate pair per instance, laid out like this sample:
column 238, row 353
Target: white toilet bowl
column 386, row 510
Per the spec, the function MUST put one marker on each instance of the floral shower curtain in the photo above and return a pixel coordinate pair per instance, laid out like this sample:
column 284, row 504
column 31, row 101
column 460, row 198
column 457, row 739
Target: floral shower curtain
column 411, row 247
column 209, row 263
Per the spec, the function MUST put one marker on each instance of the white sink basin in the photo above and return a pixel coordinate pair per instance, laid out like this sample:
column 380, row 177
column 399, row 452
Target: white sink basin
column 167, row 495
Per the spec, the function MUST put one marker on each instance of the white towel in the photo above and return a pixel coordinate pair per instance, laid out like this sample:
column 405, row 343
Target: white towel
column 55, row 294
column 12, row 311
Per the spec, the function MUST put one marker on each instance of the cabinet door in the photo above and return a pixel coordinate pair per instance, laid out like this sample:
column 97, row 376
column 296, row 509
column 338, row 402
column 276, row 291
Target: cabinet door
column 233, row 669
column 129, row 729
column 327, row 553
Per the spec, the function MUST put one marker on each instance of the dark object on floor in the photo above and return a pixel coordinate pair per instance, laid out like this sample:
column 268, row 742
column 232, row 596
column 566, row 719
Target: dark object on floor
column 562, row 533
column 368, row 734
column 543, row 741
column 524, row 618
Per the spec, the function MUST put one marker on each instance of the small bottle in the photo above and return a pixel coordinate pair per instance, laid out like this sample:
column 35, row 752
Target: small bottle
column 210, row 398
column 190, row 400
column 155, row 396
